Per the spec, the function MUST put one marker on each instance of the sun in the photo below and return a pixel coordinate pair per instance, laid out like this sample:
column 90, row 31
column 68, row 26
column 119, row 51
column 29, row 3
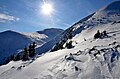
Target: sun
column 47, row 9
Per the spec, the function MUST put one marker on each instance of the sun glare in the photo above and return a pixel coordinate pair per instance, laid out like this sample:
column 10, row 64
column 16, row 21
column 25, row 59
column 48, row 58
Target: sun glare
column 47, row 9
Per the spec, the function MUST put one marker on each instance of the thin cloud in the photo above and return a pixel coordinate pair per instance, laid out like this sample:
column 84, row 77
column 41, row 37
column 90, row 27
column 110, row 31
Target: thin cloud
column 5, row 18
column 66, row 24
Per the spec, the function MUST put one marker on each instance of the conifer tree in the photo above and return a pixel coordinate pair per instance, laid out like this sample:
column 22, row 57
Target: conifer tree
column 12, row 57
column 105, row 33
column 17, row 57
column 69, row 45
column 25, row 54
column 30, row 50
column 7, row 60
column 97, row 35
column 33, row 49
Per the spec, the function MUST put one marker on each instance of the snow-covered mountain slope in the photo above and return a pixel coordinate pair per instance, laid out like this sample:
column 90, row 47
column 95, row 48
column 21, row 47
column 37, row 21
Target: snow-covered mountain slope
column 12, row 42
column 51, row 33
column 40, row 39
column 88, row 59
column 44, row 36
column 102, row 16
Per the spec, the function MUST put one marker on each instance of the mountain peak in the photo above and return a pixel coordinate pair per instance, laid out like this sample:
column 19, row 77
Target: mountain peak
column 51, row 29
column 50, row 32
column 9, row 32
column 113, row 6
column 109, row 13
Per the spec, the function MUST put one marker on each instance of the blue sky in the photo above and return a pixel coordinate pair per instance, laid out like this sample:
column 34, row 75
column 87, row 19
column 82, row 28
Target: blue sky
column 26, row 15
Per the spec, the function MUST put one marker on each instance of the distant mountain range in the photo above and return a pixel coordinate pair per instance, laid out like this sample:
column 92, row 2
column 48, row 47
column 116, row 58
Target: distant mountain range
column 12, row 42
